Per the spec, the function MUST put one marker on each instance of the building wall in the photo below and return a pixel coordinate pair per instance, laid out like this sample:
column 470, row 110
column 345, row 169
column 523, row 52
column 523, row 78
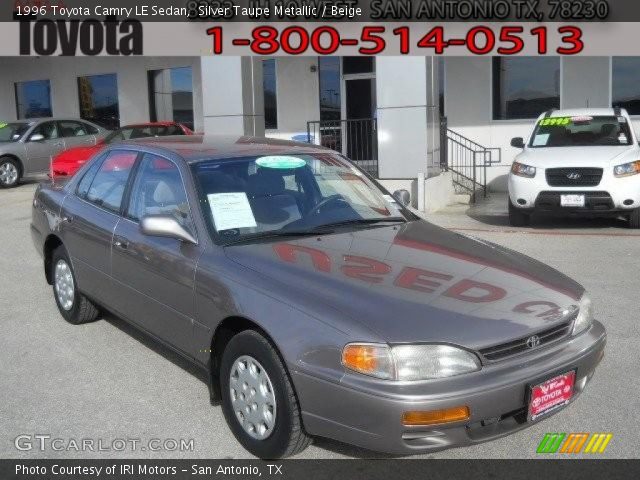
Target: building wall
column 62, row 72
column 298, row 93
column 585, row 81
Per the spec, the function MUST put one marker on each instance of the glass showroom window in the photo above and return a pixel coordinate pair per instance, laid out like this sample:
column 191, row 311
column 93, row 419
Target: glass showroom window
column 329, row 68
column 524, row 87
column 270, row 94
column 171, row 95
column 33, row 99
column 625, row 85
column 98, row 96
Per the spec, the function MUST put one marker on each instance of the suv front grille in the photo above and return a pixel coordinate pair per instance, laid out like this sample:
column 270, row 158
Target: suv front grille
column 573, row 177
column 505, row 350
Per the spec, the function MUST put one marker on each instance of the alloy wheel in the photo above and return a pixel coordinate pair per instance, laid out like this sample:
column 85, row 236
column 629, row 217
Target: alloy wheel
column 8, row 173
column 65, row 288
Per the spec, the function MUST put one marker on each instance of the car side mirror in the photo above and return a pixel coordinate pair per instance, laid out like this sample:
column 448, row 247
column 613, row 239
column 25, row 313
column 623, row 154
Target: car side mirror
column 165, row 226
column 517, row 142
column 403, row 197
column 36, row 137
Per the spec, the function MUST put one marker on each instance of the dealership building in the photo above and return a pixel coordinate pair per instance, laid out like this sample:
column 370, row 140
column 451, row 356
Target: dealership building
column 447, row 119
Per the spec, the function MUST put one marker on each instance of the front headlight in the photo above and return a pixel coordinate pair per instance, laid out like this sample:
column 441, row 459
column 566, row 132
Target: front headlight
column 409, row 362
column 523, row 170
column 627, row 169
column 585, row 315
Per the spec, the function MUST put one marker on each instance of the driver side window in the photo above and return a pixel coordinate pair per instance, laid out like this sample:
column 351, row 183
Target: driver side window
column 158, row 190
column 49, row 130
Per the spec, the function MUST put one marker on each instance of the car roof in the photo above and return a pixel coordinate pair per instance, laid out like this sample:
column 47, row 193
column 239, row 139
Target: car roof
column 195, row 148
column 578, row 112
column 149, row 124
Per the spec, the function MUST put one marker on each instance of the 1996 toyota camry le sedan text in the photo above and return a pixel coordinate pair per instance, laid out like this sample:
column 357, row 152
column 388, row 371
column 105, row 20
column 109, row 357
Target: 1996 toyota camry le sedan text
column 318, row 303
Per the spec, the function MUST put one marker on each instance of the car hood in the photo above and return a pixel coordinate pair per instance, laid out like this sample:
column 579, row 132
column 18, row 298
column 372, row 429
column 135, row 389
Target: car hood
column 579, row 156
column 417, row 283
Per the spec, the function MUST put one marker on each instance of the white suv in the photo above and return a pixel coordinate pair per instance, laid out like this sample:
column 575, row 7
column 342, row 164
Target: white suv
column 582, row 161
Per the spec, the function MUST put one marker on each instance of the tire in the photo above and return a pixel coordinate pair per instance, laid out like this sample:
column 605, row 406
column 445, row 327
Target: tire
column 74, row 307
column 634, row 219
column 517, row 218
column 9, row 172
column 285, row 436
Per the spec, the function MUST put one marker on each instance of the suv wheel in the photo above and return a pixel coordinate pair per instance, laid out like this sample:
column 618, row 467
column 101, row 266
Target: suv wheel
column 517, row 218
column 73, row 306
column 258, row 400
column 9, row 172
column 634, row 219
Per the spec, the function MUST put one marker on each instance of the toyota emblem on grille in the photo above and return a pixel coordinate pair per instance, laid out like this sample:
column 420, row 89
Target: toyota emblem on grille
column 573, row 176
column 533, row 341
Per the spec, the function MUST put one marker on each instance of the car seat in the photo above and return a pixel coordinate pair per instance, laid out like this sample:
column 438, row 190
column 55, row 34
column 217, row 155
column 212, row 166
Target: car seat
column 273, row 207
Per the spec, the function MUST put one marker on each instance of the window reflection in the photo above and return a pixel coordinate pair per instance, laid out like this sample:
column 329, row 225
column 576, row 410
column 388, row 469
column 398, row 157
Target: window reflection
column 33, row 99
column 171, row 95
column 626, row 84
column 270, row 94
column 524, row 87
column 329, row 68
column 99, row 100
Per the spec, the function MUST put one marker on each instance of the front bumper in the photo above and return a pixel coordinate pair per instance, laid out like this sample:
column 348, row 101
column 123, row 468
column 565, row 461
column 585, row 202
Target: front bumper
column 611, row 195
column 369, row 413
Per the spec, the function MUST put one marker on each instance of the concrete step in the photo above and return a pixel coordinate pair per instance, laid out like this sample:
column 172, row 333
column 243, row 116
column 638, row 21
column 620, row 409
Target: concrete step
column 461, row 198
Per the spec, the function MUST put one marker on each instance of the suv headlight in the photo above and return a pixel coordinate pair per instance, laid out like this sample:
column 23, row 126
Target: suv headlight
column 585, row 315
column 408, row 362
column 523, row 170
column 627, row 169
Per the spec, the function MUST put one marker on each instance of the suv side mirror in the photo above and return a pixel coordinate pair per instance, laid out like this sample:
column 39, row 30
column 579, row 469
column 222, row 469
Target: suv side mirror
column 36, row 137
column 517, row 142
column 403, row 197
column 165, row 226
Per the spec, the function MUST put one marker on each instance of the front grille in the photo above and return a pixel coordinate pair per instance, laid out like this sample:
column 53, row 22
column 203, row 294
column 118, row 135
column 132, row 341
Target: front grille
column 573, row 177
column 504, row 350
column 592, row 200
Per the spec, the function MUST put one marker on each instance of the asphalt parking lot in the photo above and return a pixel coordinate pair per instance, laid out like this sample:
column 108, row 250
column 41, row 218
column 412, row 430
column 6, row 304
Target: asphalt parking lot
column 106, row 381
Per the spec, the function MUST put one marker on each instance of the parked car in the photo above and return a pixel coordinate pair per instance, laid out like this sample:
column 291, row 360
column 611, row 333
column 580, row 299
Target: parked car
column 317, row 303
column 69, row 161
column 580, row 162
column 27, row 146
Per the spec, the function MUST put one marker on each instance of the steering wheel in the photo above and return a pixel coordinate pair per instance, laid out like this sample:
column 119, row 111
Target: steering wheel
column 327, row 201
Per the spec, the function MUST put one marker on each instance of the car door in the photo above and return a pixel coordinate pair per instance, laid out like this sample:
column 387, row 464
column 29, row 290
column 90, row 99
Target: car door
column 89, row 217
column 154, row 276
column 76, row 134
column 41, row 145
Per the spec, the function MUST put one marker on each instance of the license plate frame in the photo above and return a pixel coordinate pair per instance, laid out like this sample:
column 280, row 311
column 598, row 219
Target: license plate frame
column 572, row 200
column 535, row 390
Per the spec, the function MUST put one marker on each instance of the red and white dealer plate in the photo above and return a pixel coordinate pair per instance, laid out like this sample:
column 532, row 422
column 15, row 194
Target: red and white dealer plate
column 551, row 395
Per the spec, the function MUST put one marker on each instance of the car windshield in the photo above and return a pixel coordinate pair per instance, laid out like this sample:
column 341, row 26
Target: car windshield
column 12, row 132
column 142, row 131
column 581, row 131
column 281, row 195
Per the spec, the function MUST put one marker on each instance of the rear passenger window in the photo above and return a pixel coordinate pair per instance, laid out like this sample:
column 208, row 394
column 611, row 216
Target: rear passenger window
column 110, row 180
column 85, row 183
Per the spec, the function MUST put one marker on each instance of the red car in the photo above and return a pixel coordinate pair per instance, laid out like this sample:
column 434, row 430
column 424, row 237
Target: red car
column 69, row 162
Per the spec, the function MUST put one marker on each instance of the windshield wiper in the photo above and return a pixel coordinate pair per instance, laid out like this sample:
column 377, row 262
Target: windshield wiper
column 278, row 234
column 363, row 221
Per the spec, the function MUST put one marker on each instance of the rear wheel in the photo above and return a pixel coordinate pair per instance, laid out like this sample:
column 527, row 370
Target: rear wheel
column 73, row 306
column 258, row 399
column 9, row 172
column 634, row 219
column 517, row 218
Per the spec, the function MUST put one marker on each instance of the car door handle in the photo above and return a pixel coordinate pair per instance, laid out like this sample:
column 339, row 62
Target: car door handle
column 67, row 219
column 122, row 244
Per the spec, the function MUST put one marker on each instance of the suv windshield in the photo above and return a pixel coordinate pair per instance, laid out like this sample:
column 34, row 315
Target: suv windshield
column 12, row 132
column 142, row 131
column 581, row 131
column 281, row 195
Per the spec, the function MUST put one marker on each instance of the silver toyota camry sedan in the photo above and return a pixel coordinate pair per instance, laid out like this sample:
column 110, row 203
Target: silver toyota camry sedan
column 27, row 146
column 316, row 301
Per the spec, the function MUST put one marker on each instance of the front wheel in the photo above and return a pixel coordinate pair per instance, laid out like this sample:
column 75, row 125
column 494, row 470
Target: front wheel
column 9, row 172
column 258, row 400
column 634, row 219
column 517, row 218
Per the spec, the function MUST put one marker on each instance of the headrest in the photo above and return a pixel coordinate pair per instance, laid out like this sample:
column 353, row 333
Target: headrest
column 163, row 194
column 265, row 182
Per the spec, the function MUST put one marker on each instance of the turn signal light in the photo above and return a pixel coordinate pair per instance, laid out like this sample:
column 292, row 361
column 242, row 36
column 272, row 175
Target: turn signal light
column 435, row 417
column 369, row 359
